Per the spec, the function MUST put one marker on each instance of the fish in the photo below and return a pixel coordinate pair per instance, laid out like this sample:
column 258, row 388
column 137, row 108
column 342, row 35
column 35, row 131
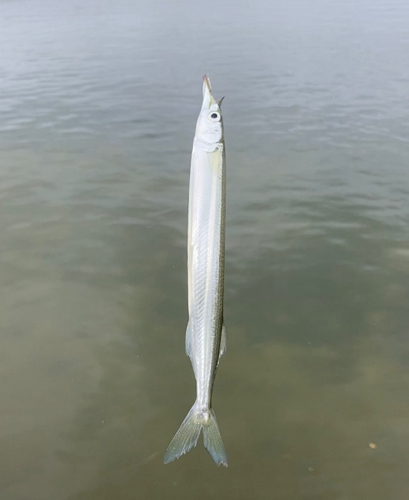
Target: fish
column 205, row 333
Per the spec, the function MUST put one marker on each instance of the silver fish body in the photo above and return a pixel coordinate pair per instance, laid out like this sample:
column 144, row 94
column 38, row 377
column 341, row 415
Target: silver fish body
column 205, row 334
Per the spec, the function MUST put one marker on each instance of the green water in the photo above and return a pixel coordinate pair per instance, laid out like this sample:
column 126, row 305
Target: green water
column 98, row 103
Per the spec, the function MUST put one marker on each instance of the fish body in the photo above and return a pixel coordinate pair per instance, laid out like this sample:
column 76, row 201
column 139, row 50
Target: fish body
column 205, row 334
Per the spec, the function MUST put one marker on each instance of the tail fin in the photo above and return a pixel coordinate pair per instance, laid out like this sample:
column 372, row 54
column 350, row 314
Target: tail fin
column 188, row 434
column 185, row 438
column 213, row 440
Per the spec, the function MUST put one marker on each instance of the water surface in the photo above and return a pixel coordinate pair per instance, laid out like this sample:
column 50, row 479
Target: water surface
column 98, row 103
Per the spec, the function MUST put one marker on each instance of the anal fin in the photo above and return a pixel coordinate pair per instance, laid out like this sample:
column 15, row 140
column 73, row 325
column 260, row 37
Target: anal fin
column 188, row 341
column 223, row 345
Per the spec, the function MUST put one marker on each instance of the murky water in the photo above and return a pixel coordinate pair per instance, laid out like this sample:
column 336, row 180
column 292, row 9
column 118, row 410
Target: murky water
column 98, row 102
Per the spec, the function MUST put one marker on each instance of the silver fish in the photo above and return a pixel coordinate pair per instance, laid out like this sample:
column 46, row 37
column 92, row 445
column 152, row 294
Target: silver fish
column 205, row 334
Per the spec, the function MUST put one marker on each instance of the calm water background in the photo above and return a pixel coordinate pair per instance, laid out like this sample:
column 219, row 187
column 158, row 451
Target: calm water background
column 98, row 103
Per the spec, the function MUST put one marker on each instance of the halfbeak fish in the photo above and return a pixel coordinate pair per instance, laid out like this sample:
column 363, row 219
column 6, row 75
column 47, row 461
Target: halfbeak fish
column 205, row 334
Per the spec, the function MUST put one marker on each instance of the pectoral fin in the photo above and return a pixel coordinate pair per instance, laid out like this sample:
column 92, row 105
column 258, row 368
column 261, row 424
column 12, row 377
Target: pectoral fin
column 216, row 158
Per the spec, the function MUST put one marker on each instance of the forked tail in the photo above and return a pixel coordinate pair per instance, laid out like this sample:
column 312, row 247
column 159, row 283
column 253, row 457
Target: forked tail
column 186, row 437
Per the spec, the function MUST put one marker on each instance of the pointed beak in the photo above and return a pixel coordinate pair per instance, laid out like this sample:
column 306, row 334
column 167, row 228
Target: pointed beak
column 207, row 86
column 208, row 99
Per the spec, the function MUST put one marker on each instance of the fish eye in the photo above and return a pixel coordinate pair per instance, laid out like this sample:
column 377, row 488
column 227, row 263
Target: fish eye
column 214, row 116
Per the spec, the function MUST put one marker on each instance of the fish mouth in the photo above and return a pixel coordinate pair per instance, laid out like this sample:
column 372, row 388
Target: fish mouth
column 208, row 99
column 207, row 86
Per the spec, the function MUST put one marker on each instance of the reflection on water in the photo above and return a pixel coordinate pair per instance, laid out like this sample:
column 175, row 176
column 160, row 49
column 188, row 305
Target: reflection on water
column 98, row 109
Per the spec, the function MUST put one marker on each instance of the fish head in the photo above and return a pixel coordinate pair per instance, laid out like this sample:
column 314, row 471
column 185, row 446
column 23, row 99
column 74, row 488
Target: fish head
column 209, row 128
